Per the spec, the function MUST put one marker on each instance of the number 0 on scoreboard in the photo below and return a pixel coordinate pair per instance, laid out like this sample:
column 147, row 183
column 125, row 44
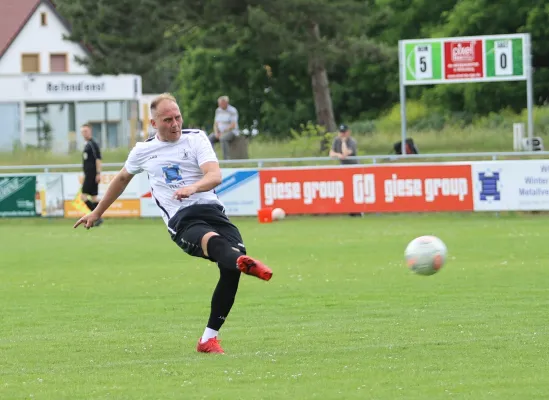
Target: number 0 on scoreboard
column 503, row 57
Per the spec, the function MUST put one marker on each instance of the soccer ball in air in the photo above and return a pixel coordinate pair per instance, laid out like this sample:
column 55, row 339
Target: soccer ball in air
column 426, row 255
column 278, row 214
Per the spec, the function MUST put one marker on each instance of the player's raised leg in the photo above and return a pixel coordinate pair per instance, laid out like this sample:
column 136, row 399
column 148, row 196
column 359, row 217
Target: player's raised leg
column 219, row 249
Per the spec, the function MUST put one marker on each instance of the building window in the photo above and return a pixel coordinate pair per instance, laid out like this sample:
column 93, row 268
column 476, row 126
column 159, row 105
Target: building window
column 58, row 63
column 43, row 19
column 30, row 63
column 111, row 134
column 96, row 132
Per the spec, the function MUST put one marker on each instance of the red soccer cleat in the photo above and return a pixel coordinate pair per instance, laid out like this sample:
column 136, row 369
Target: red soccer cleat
column 254, row 267
column 210, row 346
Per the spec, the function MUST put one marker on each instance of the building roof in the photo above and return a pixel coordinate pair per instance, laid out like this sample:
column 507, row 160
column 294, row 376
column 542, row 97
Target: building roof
column 15, row 15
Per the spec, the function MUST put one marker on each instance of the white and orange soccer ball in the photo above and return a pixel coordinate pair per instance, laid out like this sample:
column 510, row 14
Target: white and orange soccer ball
column 278, row 214
column 425, row 255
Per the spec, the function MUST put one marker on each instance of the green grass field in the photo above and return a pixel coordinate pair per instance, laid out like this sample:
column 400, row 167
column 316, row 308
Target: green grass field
column 115, row 312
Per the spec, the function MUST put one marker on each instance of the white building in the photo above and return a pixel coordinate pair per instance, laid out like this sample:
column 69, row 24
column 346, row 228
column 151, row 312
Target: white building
column 45, row 93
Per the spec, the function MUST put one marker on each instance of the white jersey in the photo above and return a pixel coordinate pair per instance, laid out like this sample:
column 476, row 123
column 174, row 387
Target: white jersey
column 173, row 165
column 226, row 117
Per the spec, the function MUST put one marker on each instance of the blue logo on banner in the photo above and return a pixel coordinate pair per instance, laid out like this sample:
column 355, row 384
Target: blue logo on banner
column 171, row 173
column 489, row 186
column 235, row 180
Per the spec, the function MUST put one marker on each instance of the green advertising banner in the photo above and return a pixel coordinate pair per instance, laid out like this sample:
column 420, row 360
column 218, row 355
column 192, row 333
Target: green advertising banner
column 423, row 61
column 504, row 57
column 17, row 196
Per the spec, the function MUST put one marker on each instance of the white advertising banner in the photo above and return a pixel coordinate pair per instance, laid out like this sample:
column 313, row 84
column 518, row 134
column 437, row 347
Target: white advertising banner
column 49, row 190
column 148, row 204
column 149, row 207
column 521, row 185
column 238, row 191
column 69, row 87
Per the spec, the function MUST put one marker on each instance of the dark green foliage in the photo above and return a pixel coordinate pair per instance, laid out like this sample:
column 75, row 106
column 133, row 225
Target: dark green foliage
column 287, row 62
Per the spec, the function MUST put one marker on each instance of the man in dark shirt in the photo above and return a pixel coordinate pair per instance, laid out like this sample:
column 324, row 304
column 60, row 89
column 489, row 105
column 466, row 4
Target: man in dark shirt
column 344, row 146
column 91, row 162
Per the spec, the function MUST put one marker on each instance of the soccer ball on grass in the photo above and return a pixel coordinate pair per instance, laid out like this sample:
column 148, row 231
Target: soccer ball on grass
column 426, row 255
column 278, row 214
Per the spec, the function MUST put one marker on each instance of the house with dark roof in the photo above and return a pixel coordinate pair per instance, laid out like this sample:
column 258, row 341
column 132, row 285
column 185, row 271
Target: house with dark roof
column 46, row 95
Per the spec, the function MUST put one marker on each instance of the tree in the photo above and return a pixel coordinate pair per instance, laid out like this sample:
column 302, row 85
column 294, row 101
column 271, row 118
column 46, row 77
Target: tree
column 276, row 101
column 122, row 39
column 317, row 31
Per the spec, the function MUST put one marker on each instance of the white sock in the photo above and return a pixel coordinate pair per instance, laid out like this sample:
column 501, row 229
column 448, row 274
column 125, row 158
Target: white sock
column 208, row 334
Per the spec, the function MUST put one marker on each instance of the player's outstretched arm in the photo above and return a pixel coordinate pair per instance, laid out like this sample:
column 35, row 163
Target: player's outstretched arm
column 115, row 189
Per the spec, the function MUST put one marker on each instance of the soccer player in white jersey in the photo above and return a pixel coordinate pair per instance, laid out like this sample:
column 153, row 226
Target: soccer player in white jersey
column 183, row 171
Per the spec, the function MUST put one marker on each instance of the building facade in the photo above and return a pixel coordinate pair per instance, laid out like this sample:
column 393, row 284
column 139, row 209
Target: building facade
column 45, row 94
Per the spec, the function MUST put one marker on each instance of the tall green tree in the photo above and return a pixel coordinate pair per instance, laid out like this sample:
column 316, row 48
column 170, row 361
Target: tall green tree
column 317, row 32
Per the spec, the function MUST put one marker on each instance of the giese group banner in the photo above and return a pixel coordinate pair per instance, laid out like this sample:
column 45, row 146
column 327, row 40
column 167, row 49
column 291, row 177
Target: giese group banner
column 394, row 188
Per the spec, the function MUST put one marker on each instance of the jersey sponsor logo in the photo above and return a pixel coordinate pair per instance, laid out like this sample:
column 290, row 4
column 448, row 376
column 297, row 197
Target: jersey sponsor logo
column 172, row 173
column 183, row 153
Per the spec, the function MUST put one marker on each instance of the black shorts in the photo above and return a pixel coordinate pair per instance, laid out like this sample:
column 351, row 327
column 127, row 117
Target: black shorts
column 90, row 186
column 190, row 224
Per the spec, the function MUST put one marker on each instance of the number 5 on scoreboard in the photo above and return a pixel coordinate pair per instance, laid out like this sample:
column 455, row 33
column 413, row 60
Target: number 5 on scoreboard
column 424, row 62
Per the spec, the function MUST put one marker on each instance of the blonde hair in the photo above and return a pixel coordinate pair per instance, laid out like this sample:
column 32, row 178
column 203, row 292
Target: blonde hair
column 159, row 99
column 224, row 98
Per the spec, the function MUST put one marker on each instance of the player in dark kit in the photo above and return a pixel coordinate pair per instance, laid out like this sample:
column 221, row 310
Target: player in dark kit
column 91, row 162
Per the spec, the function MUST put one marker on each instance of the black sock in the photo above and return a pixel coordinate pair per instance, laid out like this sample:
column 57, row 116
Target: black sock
column 91, row 205
column 221, row 251
column 223, row 297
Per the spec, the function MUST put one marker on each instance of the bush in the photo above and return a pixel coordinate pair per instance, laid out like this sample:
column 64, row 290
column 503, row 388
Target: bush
column 418, row 117
column 308, row 137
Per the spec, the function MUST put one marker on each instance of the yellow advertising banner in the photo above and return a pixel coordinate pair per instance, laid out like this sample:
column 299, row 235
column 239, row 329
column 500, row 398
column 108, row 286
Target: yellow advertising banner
column 120, row 208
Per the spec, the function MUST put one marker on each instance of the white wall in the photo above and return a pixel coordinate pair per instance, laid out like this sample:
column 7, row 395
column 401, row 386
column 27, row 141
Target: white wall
column 10, row 133
column 92, row 112
column 95, row 113
column 144, row 114
column 58, row 116
column 44, row 40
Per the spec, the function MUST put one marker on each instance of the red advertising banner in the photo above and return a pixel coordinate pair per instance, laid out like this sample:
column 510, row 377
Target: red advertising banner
column 395, row 188
column 463, row 59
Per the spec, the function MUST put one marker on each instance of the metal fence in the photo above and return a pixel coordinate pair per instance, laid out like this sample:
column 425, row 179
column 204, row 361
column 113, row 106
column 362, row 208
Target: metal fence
column 311, row 161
